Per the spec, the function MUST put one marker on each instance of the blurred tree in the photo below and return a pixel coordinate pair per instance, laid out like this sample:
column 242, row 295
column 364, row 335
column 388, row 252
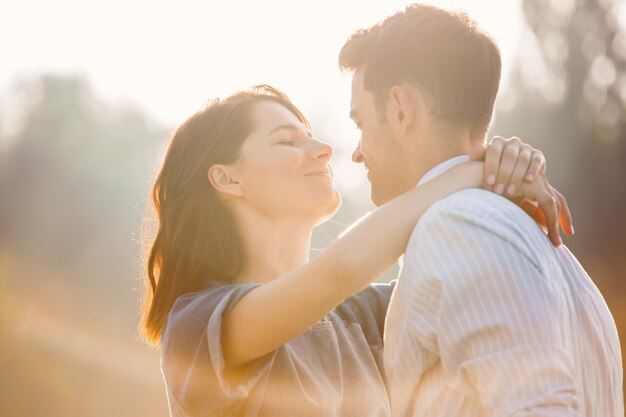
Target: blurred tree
column 72, row 185
column 570, row 81
column 69, row 182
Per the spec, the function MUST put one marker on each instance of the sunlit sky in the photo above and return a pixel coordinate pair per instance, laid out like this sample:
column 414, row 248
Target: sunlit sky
column 169, row 58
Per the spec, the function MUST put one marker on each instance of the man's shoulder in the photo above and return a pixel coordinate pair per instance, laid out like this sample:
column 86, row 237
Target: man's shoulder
column 472, row 220
column 474, row 209
column 471, row 200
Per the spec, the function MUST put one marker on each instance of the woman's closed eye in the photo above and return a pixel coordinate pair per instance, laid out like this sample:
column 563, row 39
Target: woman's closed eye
column 287, row 141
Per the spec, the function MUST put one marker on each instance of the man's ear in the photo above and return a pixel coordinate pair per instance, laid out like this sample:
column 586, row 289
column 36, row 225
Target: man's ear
column 405, row 107
column 223, row 179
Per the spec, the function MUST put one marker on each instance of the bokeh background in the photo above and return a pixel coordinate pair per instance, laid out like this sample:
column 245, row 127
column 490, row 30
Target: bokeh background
column 90, row 92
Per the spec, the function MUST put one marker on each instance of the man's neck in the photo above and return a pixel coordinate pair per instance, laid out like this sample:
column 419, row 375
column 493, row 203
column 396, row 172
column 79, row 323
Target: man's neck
column 439, row 150
column 442, row 144
column 443, row 167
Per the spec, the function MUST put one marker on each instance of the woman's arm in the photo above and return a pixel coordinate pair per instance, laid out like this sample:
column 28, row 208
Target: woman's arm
column 275, row 312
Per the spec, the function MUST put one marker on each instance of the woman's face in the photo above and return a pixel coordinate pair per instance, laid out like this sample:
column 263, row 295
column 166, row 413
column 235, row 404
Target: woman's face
column 283, row 170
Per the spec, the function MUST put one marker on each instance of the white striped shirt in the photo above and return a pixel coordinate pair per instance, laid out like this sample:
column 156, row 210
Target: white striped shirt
column 489, row 319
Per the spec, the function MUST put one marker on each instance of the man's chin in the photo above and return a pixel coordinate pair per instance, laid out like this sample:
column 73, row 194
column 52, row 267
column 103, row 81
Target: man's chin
column 378, row 198
column 380, row 195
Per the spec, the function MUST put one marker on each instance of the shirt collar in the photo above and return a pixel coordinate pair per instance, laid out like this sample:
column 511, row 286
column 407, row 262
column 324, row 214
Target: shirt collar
column 443, row 167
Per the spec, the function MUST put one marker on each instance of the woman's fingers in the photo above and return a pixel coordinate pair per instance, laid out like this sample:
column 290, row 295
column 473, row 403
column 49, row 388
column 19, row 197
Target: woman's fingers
column 565, row 215
column 532, row 209
column 549, row 205
column 520, row 170
column 507, row 164
column 537, row 165
column 493, row 155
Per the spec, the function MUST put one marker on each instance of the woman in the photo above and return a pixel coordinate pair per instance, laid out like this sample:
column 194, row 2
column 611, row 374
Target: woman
column 248, row 326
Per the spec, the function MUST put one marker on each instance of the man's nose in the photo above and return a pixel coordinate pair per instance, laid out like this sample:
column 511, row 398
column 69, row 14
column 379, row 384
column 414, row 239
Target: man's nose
column 357, row 156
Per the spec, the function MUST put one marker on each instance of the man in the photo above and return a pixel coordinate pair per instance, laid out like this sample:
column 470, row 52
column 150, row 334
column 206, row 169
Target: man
column 487, row 318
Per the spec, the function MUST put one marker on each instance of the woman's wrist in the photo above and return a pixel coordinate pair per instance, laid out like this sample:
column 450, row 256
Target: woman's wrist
column 466, row 175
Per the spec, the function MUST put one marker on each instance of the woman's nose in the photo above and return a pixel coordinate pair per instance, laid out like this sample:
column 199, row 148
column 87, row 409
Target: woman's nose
column 321, row 150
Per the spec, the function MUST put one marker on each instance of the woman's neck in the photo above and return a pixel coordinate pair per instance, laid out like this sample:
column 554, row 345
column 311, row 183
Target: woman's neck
column 272, row 247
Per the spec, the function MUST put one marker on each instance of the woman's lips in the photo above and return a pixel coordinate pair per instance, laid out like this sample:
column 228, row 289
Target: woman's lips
column 320, row 173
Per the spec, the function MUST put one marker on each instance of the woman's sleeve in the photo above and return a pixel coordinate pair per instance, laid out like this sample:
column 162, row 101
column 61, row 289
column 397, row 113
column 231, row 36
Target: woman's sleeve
column 371, row 306
column 192, row 359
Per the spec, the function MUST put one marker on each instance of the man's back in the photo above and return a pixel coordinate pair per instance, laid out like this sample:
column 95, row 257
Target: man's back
column 489, row 319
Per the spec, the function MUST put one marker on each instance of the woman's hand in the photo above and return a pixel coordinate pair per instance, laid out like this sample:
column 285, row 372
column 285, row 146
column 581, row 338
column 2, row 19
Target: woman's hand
column 508, row 163
column 517, row 171
column 546, row 206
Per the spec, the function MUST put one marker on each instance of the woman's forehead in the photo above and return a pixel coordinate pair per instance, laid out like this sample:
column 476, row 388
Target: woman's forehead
column 269, row 117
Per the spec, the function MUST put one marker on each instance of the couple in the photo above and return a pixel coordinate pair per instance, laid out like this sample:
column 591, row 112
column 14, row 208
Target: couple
column 489, row 317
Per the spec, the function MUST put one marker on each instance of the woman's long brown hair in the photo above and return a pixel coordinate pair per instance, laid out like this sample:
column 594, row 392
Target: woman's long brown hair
column 198, row 242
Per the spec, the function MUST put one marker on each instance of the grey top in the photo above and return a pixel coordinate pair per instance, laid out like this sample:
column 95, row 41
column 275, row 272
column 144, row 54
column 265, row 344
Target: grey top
column 333, row 369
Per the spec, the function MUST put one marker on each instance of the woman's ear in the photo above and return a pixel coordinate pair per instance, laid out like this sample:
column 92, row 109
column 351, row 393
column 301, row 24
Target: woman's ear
column 222, row 178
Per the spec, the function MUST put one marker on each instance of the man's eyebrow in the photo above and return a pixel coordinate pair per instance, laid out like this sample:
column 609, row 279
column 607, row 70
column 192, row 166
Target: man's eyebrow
column 293, row 128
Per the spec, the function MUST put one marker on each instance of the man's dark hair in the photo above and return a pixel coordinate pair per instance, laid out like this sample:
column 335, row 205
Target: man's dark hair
column 453, row 63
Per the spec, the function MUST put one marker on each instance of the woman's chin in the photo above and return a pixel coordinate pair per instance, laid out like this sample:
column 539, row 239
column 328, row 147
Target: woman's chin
column 329, row 209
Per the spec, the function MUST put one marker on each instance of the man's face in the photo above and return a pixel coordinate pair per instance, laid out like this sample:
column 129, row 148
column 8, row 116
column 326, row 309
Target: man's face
column 380, row 151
